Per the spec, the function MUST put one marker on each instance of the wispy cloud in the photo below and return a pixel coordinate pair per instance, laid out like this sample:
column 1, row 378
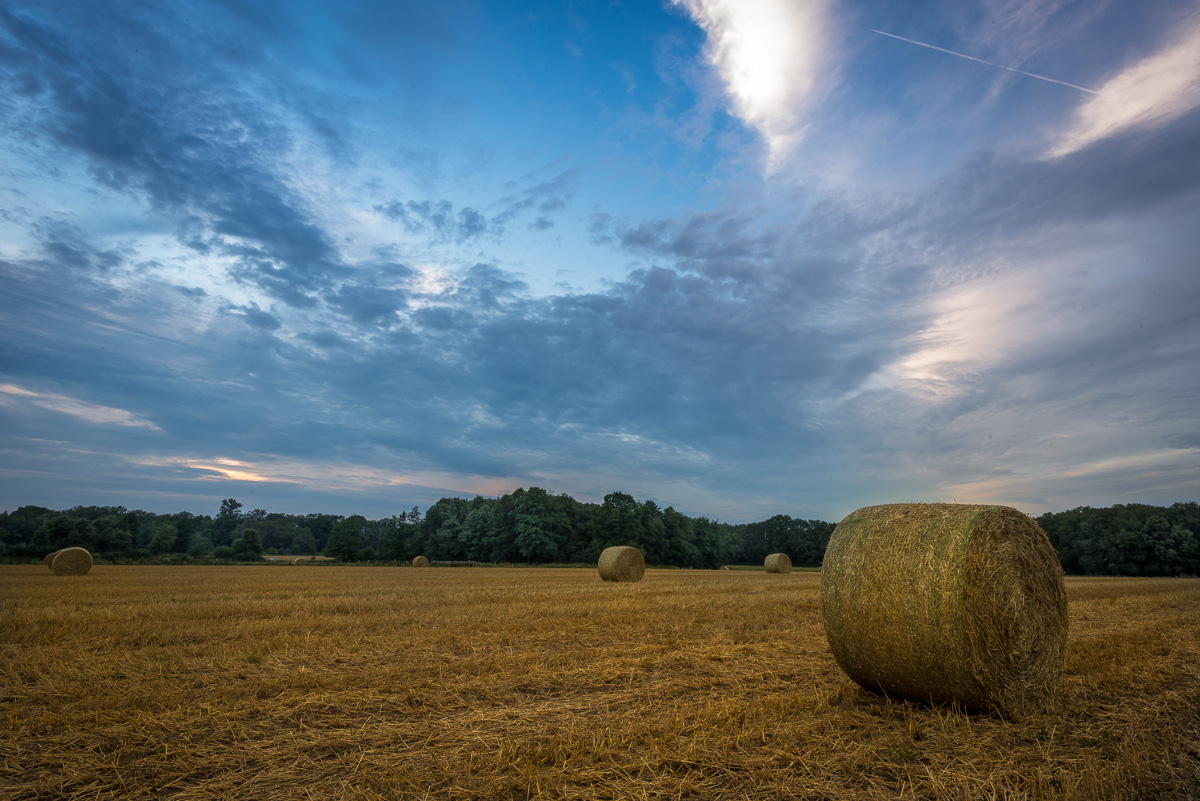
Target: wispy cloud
column 12, row 395
column 322, row 474
column 771, row 56
column 1151, row 93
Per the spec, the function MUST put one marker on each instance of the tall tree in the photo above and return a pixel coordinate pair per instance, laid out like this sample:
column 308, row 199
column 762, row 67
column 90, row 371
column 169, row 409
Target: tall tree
column 345, row 539
column 226, row 521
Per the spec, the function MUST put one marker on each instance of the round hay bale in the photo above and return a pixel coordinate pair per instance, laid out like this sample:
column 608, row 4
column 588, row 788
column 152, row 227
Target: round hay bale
column 950, row 603
column 71, row 562
column 724, row 567
column 49, row 559
column 299, row 561
column 621, row 563
column 420, row 561
column 778, row 563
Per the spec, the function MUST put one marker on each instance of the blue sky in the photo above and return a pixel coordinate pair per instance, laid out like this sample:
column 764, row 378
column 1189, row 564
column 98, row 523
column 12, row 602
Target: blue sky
column 743, row 257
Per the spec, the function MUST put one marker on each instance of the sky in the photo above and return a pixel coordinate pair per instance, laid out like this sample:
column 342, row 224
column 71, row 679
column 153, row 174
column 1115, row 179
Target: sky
column 740, row 257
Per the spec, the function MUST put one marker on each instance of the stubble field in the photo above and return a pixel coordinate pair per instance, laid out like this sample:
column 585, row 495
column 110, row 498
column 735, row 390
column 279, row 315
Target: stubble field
column 282, row 682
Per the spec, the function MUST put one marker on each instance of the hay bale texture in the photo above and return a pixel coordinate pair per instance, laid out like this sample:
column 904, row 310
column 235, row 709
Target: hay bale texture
column 299, row 561
column 49, row 559
column 420, row 561
column 950, row 603
column 778, row 563
column 71, row 562
column 621, row 563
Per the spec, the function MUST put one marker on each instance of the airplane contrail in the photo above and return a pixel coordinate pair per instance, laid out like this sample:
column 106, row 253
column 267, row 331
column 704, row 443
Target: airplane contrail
column 989, row 63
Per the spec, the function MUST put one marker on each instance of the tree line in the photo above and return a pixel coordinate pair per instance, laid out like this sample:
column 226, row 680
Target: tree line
column 1127, row 539
column 533, row 526
column 528, row 526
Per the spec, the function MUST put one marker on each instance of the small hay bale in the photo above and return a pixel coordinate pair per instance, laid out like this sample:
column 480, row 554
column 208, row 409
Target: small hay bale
column 778, row 563
column 621, row 563
column 71, row 562
column 420, row 561
column 949, row 603
column 299, row 561
column 724, row 567
column 49, row 559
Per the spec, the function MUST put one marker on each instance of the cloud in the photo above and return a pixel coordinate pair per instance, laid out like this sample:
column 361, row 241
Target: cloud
column 194, row 150
column 13, row 395
column 545, row 196
column 772, row 57
column 319, row 475
column 438, row 218
column 1149, row 94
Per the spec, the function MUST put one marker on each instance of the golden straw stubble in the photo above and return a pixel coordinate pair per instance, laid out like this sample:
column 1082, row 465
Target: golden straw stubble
column 621, row 563
column 778, row 563
column 71, row 562
column 951, row 603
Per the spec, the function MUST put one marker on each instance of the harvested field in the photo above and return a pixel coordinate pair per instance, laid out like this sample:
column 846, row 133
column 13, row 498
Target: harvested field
column 361, row 683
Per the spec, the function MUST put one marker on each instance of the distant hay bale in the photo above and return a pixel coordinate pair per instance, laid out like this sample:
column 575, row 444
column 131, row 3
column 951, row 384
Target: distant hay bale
column 299, row 561
column 724, row 567
column 49, row 559
column 621, row 563
column 778, row 563
column 71, row 562
column 420, row 561
column 950, row 603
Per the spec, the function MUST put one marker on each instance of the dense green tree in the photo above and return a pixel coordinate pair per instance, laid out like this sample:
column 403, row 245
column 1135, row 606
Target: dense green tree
column 165, row 533
column 248, row 546
column 113, row 535
column 345, row 539
column 66, row 532
column 1127, row 539
column 303, row 542
column 618, row 521
column 539, row 528
column 713, row 541
column 199, row 547
column 23, row 526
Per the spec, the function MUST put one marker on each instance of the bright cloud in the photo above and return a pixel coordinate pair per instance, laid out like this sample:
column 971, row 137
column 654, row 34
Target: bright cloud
column 770, row 56
column 324, row 474
column 10, row 394
column 1151, row 93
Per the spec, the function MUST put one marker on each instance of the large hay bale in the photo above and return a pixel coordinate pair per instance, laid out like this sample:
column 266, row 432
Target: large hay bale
column 950, row 603
column 48, row 561
column 420, row 561
column 778, row 563
column 299, row 561
column 621, row 563
column 71, row 562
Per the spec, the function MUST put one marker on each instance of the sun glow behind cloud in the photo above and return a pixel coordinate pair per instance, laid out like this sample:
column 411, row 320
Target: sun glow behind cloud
column 770, row 56
column 1153, row 92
